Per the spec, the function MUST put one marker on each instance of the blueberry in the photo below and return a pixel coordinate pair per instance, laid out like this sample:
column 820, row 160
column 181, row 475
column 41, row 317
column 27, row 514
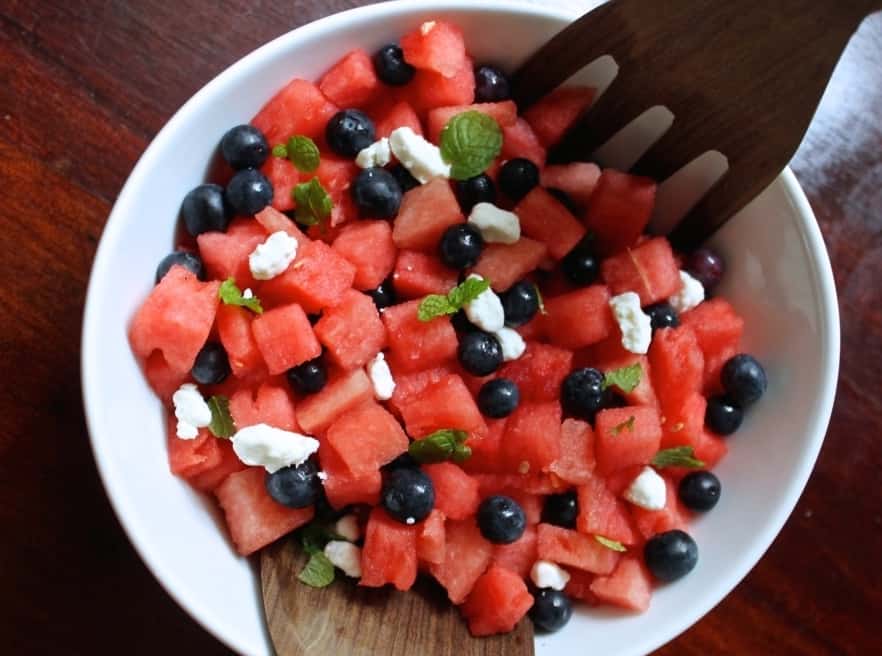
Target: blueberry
column 349, row 131
column 472, row 191
column 309, row 377
column 479, row 353
column 212, row 366
column 520, row 303
column 404, row 461
column 581, row 266
column 491, row 85
column 706, row 266
column 461, row 246
column 582, row 393
column 499, row 397
column 551, row 610
column 383, row 294
column 517, row 177
column 186, row 259
column 662, row 315
column 501, row 519
column 295, row 487
column 244, row 147
column 248, row 192
column 390, row 66
column 670, row 555
column 561, row 509
column 722, row 415
column 405, row 180
column 461, row 323
column 700, row 491
column 377, row 193
column 744, row 379
column 205, row 209
column 408, row 495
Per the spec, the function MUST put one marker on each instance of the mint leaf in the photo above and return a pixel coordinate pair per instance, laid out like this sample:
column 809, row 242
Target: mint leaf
column 230, row 294
column 222, row 424
column 469, row 143
column 319, row 571
column 313, row 202
column 610, row 544
column 280, row 150
column 303, row 153
column 540, row 299
column 442, row 445
column 628, row 424
column 678, row 456
column 434, row 305
column 625, row 378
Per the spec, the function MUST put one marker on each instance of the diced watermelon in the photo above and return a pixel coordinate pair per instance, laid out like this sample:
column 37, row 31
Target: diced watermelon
column 336, row 175
column 539, row 372
column 415, row 345
column 225, row 254
column 577, row 179
column 285, row 338
column 566, row 547
column 352, row 81
column 341, row 487
column 431, row 542
column 648, row 269
column 271, row 404
column 437, row 46
column 409, row 385
column 628, row 587
column 711, row 449
column 684, row 424
column 600, row 513
column 556, row 113
column 609, row 355
column 718, row 330
column 532, row 330
column 368, row 246
column 253, row 517
column 175, row 319
column 497, row 602
column 579, row 586
column 576, row 461
column 677, row 366
column 366, row 438
column 389, row 554
column 299, row 108
column 544, row 218
column 467, row 556
column 273, row 220
column 163, row 380
column 317, row 411
column 621, row 479
column 485, row 448
column 188, row 458
column 519, row 140
column 283, row 176
column 428, row 89
column 352, row 332
column 625, row 436
column 532, row 437
column 579, row 318
column 229, row 463
column 418, row 274
column 650, row 522
column 426, row 212
column 619, row 209
column 399, row 115
column 505, row 264
column 505, row 114
column 456, row 493
column 234, row 329
column 518, row 556
column 445, row 404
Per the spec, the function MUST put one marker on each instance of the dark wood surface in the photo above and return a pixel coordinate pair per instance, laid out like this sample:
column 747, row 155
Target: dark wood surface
column 84, row 86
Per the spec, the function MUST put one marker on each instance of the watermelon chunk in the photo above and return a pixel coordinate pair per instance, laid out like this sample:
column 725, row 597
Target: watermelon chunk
column 408, row 386
column 389, row 554
column 418, row 274
column 497, row 602
column 456, row 493
column 317, row 411
column 299, row 108
column 485, row 448
column 341, row 487
column 234, row 329
column 519, row 140
column 625, row 436
column 711, row 449
column 539, row 372
column 505, row 113
column 684, row 424
column 629, row 586
column 579, row 318
column 271, row 404
column 163, row 380
column 273, row 220
column 336, row 175
column 429, row 89
column 437, row 46
column 210, row 478
column 399, row 115
column 579, row 586
column 576, row 461
column 367, row 246
column 188, row 458
column 225, row 254
column 544, row 218
column 649, row 269
column 285, row 338
column 505, row 264
column 253, row 517
column 426, row 212
column 556, row 113
column 366, row 438
column 677, row 366
column 431, row 540
column 600, row 513
column 283, row 176
column 532, row 437
column 573, row 549
column 518, row 556
column 619, row 210
column 351, row 82
column 413, row 344
column 718, row 330
column 352, row 331
column 650, row 522
column 175, row 319
column 445, row 404
column 577, row 180
column 467, row 556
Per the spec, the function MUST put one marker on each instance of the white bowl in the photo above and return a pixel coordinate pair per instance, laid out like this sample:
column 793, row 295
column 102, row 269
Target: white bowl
column 779, row 278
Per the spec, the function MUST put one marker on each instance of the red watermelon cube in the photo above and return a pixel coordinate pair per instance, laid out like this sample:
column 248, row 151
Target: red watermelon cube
column 408, row 386
column 283, row 176
column 684, row 424
column 677, row 366
column 505, row 114
column 418, row 274
column 519, row 140
column 336, row 175
column 718, row 330
column 389, row 553
column 573, row 549
column 437, row 46
column 234, row 329
column 352, row 332
column 225, row 254
column 556, row 113
column 600, row 513
column 467, row 556
column 577, row 179
column 576, row 461
column 341, row 487
column 532, row 437
column 299, row 108
column 273, row 220
column 456, row 493
column 619, row 210
column 579, row 318
column 352, row 81
column 163, row 380
column 485, row 448
column 625, row 436
column 711, row 449
column 415, row 345
column 518, row 556
column 429, row 89
column 425, row 213
column 317, row 411
column 629, row 586
column 271, row 404
column 579, row 586
column 505, row 264
column 367, row 246
column 285, row 338
column 650, row 269
column 210, row 478
column 188, row 458
column 399, row 115
column 539, row 372
column 497, row 602
column 366, row 438
column 431, row 541
column 650, row 522
column 445, row 404
column 544, row 218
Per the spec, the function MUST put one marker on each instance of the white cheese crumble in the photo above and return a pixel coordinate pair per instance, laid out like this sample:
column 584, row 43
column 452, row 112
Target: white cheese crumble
column 377, row 154
column 272, row 448
column 247, row 293
column 381, row 377
column 422, row 158
column 495, row 225
column 486, row 311
column 273, row 256
column 636, row 326
column 322, row 476
column 345, row 556
column 548, row 575
column 427, row 27
column 691, row 294
column 191, row 411
column 513, row 345
column 347, row 527
column 647, row 490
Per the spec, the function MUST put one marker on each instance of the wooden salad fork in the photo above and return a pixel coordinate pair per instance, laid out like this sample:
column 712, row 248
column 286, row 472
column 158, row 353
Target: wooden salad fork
column 741, row 77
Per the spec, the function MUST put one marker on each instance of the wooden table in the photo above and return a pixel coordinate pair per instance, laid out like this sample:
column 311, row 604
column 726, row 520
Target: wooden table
column 85, row 85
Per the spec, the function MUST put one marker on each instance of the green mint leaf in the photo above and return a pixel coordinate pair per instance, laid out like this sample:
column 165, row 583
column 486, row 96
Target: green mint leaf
column 625, row 378
column 467, row 291
column 303, row 153
column 280, row 150
column 469, row 143
column 313, row 202
column 678, row 456
column 461, row 453
column 628, row 424
column 319, row 571
column 610, row 544
column 434, row 305
column 440, row 446
column 222, row 424
column 230, row 294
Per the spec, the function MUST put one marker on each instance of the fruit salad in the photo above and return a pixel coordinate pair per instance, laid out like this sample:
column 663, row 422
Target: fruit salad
column 394, row 332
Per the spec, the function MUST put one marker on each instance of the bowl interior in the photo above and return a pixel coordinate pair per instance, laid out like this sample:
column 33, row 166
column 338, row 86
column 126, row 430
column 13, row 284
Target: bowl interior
column 779, row 278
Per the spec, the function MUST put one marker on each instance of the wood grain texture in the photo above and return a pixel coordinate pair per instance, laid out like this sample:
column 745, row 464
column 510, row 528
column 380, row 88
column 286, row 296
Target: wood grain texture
column 84, row 85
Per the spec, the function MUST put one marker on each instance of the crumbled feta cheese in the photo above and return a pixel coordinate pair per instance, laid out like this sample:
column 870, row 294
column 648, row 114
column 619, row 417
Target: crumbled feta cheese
column 427, row 27
column 191, row 411
column 495, row 225
column 690, row 294
column 548, row 575
column 647, row 490
column 247, row 293
column 345, row 556
column 513, row 345
column 347, row 527
column 272, row 448
column 636, row 326
column 486, row 311
column 381, row 378
column 273, row 256
column 322, row 476
column 377, row 154
column 422, row 158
